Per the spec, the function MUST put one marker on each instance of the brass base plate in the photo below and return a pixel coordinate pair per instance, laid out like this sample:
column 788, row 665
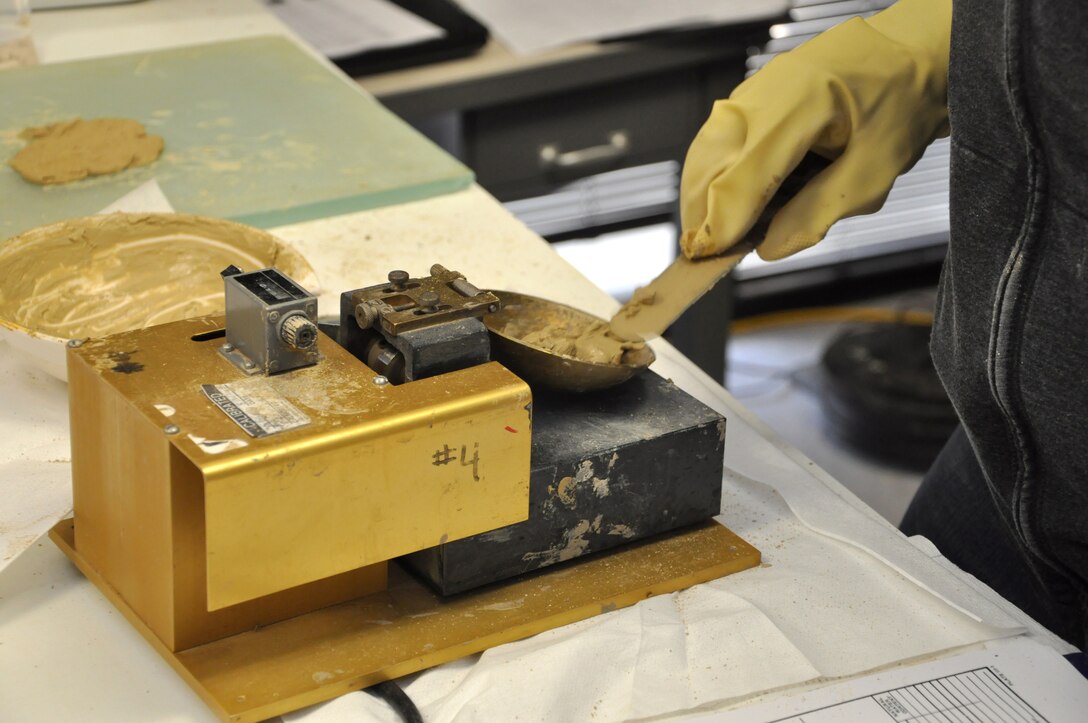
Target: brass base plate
column 323, row 654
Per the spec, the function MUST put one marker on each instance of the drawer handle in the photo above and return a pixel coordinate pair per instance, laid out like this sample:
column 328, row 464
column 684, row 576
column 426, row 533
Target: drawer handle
column 552, row 157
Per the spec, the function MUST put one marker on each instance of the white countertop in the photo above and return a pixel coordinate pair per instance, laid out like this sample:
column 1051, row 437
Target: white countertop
column 95, row 31
column 840, row 591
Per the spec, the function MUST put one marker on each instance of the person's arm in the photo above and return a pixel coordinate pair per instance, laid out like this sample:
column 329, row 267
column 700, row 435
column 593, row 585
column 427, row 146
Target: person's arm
column 869, row 95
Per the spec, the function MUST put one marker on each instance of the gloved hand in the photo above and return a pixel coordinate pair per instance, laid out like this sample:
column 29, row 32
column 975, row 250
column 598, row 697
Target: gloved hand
column 869, row 94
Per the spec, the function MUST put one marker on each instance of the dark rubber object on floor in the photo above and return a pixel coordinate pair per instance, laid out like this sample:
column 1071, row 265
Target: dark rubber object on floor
column 882, row 395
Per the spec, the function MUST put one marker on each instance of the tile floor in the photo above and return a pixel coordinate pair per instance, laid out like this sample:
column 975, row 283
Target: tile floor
column 768, row 369
column 772, row 373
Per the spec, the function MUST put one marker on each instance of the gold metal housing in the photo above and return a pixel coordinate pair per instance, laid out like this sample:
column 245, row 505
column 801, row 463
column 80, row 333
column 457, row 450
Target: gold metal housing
column 205, row 530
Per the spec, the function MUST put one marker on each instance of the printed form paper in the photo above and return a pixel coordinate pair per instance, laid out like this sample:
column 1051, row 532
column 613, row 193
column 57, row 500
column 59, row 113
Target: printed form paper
column 342, row 28
column 1015, row 680
column 531, row 27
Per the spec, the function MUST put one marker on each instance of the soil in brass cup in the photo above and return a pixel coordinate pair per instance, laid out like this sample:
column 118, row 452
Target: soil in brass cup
column 541, row 366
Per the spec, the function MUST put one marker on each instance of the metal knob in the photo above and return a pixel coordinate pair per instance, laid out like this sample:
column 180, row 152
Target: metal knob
column 367, row 313
column 428, row 301
column 398, row 279
column 298, row 332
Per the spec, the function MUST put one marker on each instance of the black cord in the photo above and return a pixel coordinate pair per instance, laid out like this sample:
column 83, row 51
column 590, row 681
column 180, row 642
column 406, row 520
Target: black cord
column 397, row 699
column 756, row 368
column 769, row 378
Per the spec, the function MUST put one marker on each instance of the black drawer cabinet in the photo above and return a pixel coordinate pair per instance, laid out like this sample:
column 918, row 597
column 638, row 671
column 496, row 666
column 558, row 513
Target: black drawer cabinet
column 528, row 131
column 529, row 148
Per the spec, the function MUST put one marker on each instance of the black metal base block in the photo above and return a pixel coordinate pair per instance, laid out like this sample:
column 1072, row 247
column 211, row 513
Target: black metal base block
column 608, row 468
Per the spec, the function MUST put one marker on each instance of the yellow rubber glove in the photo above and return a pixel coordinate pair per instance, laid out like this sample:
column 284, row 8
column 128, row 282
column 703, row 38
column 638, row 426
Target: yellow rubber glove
column 869, row 94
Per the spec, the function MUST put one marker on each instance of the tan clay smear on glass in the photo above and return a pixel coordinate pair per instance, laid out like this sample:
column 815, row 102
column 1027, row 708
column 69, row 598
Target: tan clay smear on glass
column 74, row 149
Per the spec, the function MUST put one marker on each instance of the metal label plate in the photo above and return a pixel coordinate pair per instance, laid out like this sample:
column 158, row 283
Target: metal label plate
column 255, row 407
